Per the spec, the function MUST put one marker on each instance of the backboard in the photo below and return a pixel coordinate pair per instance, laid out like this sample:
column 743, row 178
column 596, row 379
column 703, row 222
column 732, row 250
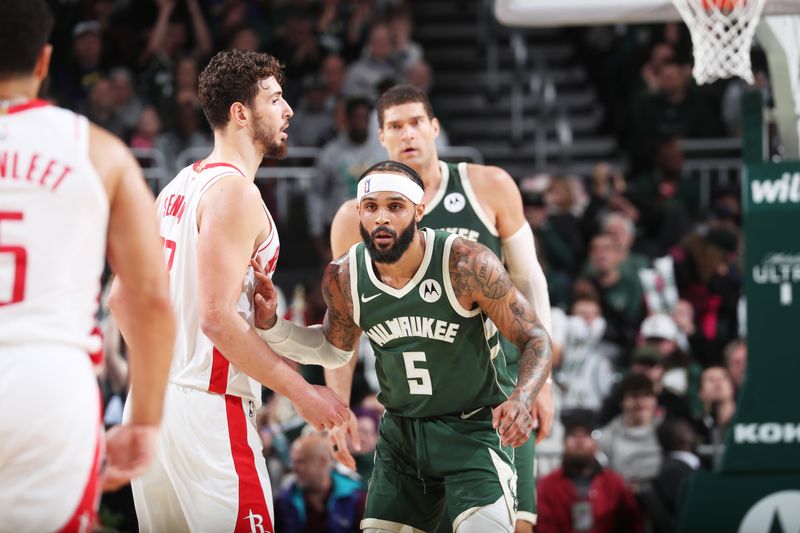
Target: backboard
column 543, row 13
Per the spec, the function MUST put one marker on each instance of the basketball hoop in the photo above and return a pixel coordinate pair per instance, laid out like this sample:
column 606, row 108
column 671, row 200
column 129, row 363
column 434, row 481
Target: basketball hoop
column 722, row 33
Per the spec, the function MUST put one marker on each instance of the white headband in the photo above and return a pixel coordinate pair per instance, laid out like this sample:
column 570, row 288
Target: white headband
column 390, row 183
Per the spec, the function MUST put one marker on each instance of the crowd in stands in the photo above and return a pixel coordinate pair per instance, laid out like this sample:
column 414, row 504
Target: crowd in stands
column 645, row 281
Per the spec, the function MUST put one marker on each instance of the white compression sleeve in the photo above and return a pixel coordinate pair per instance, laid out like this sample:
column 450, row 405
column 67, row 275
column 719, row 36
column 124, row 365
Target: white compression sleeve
column 306, row 345
column 519, row 252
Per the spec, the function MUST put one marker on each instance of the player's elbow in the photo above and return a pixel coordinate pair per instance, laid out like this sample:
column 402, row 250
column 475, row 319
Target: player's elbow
column 336, row 358
column 212, row 319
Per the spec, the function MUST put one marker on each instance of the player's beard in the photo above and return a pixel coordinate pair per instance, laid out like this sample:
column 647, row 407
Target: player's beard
column 393, row 253
column 265, row 139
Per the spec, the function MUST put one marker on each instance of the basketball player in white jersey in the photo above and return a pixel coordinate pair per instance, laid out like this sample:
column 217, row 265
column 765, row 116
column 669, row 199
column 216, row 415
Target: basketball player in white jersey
column 209, row 473
column 70, row 194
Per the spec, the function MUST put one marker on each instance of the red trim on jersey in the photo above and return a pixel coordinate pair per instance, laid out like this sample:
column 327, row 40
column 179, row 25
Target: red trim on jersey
column 253, row 510
column 97, row 356
column 219, row 373
column 85, row 516
column 24, row 106
column 198, row 168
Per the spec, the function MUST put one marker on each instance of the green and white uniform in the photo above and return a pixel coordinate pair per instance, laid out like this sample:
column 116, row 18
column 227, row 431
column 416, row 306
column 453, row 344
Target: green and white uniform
column 456, row 209
column 440, row 370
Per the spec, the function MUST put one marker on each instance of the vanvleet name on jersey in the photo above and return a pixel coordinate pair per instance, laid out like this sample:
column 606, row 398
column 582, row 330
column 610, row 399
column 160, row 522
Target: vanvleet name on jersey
column 413, row 326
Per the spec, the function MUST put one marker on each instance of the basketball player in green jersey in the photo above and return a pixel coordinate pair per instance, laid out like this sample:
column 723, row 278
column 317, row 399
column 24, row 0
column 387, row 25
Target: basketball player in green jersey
column 424, row 299
column 477, row 202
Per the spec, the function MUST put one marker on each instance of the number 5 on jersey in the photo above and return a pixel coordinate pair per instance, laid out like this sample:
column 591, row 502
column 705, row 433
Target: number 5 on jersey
column 419, row 379
column 18, row 260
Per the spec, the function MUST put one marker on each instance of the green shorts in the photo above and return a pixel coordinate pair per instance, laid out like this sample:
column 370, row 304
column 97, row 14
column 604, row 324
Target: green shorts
column 524, row 463
column 425, row 467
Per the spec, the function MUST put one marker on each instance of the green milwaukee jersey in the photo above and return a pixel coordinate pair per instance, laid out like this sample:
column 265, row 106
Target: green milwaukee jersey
column 456, row 209
column 432, row 356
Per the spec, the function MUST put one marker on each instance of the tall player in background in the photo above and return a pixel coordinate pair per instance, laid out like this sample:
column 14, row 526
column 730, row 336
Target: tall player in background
column 209, row 473
column 70, row 194
column 480, row 203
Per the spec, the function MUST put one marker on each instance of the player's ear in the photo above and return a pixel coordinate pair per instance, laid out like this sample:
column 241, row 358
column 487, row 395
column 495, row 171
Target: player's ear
column 419, row 212
column 43, row 62
column 239, row 113
column 436, row 127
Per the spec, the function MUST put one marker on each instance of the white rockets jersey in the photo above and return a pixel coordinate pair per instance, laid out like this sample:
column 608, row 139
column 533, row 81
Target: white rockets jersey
column 53, row 224
column 196, row 362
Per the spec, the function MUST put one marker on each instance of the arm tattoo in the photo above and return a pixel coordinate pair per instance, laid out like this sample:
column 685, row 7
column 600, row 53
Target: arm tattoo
column 339, row 328
column 478, row 275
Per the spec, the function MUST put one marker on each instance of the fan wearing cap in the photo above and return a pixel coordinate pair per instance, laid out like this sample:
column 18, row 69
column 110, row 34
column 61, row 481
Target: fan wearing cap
column 582, row 495
column 649, row 361
column 424, row 298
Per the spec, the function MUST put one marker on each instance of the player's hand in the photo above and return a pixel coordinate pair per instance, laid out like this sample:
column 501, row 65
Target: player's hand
column 338, row 438
column 542, row 412
column 321, row 407
column 265, row 298
column 512, row 419
column 129, row 450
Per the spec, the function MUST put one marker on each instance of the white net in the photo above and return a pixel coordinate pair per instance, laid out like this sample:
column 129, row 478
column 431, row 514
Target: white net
column 722, row 32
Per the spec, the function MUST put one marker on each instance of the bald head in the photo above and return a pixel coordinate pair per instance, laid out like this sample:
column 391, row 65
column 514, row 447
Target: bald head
column 312, row 461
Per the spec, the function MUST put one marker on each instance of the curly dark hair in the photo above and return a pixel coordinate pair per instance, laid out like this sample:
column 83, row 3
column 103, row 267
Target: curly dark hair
column 25, row 26
column 394, row 166
column 233, row 76
column 403, row 94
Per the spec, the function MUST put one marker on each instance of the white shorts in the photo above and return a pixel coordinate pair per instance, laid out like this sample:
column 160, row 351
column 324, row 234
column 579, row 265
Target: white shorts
column 51, row 441
column 209, row 474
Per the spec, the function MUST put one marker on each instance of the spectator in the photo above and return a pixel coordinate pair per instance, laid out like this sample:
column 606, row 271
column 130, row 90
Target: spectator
column 243, row 37
column 368, row 437
column 621, row 228
column 585, row 374
column 676, row 109
column 660, row 55
column 707, row 272
column 148, row 127
column 607, row 193
column 677, row 441
column 358, row 27
column 582, row 495
column 319, row 499
column 186, row 79
column 620, row 293
column 736, row 362
column 629, row 440
column 313, row 123
column 667, row 200
column 331, row 25
column 339, row 165
column 333, row 72
column 297, row 46
column 719, row 405
column 189, row 133
column 406, row 51
column 126, row 103
column 73, row 81
column 661, row 331
column 100, row 107
column 648, row 360
column 166, row 43
column 376, row 65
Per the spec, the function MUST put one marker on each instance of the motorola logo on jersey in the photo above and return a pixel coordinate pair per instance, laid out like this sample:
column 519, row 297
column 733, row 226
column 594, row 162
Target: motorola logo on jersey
column 430, row 290
column 454, row 202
